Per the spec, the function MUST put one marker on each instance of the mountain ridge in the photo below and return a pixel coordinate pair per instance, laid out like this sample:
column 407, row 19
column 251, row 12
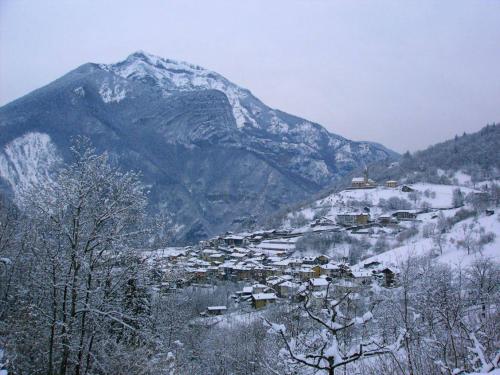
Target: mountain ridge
column 213, row 155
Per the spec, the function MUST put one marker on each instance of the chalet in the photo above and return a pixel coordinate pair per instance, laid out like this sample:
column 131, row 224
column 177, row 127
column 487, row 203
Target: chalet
column 306, row 273
column 205, row 254
column 389, row 276
column 276, row 247
column 258, row 288
column 216, row 258
column 272, row 271
column 287, row 289
column 386, row 220
column 330, row 269
column 216, row 310
column 362, row 277
column 350, row 220
column 247, row 290
column 233, row 240
column 319, row 283
column 282, row 264
column 317, row 270
column 212, row 271
column 295, row 263
column 404, row 215
column 242, row 272
column 237, row 256
column 260, row 300
column 274, row 281
column 391, row 183
column 309, row 260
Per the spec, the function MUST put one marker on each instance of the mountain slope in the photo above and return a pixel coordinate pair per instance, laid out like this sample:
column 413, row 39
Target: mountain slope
column 214, row 156
column 474, row 156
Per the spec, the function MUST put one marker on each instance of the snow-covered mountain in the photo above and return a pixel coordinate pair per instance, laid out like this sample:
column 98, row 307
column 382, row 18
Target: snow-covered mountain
column 214, row 156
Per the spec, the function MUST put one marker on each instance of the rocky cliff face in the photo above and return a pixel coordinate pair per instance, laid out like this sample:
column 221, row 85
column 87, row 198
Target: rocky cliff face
column 213, row 155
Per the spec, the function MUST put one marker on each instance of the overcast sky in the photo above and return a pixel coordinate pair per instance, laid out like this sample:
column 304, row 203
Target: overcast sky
column 403, row 73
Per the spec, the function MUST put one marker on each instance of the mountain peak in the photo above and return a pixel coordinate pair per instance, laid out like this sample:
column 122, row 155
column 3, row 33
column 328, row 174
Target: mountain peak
column 173, row 75
column 160, row 62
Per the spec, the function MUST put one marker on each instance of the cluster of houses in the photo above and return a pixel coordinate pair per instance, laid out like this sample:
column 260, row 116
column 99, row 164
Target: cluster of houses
column 356, row 219
column 269, row 277
column 363, row 219
column 265, row 261
column 338, row 277
column 367, row 183
column 324, row 278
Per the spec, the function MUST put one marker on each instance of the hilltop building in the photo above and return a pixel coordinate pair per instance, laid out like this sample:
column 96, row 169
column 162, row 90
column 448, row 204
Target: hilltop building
column 363, row 182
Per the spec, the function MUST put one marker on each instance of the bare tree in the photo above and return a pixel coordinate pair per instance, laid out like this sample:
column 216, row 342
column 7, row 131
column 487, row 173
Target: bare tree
column 337, row 339
column 80, row 264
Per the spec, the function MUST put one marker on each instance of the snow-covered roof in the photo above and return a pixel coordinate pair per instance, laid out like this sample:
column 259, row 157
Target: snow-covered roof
column 319, row 281
column 289, row 284
column 264, row 296
column 234, row 237
column 330, row 266
column 214, row 308
column 258, row 286
column 209, row 251
column 361, row 273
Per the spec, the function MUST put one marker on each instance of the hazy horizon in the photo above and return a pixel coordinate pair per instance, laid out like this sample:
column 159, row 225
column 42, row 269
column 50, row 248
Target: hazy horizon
column 406, row 75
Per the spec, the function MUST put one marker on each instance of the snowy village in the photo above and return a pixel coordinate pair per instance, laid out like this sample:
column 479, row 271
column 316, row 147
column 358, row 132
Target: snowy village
column 255, row 187
column 272, row 268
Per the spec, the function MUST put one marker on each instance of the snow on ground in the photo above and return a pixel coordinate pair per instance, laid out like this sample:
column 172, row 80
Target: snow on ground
column 436, row 196
column 452, row 253
column 232, row 319
column 112, row 93
column 439, row 200
column 27, row 160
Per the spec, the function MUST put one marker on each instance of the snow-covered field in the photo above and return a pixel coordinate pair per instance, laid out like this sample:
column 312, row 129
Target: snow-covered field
column 452, row 253
column 437, row 196
column 429, row 201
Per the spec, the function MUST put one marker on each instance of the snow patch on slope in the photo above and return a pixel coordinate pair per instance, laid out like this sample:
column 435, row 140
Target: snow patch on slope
column 79, row 91
column 27, row 161
column 113, row 93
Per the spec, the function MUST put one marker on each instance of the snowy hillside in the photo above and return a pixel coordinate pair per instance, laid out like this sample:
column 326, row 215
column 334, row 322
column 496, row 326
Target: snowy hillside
column 453, row 223
column 425, row 195
column 27, row 161
column 453, row 253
